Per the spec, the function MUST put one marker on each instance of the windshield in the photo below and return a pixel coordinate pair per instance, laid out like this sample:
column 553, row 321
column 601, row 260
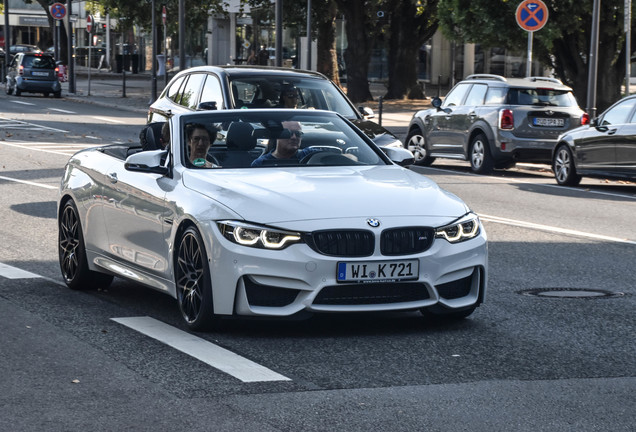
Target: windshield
column 272, row 138
column 284, row 92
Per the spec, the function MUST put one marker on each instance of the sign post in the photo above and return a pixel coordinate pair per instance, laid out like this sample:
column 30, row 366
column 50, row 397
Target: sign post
column 531, row 16
column 165, row 48
column 89, row 29
column 58, row 12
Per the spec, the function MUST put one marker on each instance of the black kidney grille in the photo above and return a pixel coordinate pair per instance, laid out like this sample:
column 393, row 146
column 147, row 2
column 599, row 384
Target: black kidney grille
column 405, row 241
column 345, row 243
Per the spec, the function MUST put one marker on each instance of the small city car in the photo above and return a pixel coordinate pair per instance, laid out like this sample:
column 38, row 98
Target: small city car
column 494, row 122
column 33, row 72
column 249, row 87
column 324, row 222
column 604, row 148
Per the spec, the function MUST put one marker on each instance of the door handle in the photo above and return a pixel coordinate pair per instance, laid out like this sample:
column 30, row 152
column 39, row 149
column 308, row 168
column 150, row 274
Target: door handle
column 112, row 177
column 611, row 131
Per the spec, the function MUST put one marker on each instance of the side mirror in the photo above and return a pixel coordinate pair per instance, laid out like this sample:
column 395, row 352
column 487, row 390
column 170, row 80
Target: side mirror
column 436, row 102
column 147, row 162
column 399, row 155
column 366, row 112
column 207, row 106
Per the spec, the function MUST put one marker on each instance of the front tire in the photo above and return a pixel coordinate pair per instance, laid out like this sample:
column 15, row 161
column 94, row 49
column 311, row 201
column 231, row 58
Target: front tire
column 416, row 144
column 481, row 161
column 563, row 167
column 72, row 253
column 193, row 282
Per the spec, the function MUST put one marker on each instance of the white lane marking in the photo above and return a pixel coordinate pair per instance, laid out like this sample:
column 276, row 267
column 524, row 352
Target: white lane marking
column 62, row 111
column 548, row 228
column 217, row 357
column 47, row 147
column 22, row 103
column 512, row 180
column 28, row 183
column 108, row 119
column 15, row 273
column 6, row 123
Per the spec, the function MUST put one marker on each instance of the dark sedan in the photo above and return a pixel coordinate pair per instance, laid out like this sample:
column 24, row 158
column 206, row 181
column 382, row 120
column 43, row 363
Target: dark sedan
column 604, row 148
column 249, row 87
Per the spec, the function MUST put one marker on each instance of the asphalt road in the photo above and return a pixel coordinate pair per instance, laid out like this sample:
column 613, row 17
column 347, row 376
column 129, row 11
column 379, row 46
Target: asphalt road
column 552, row 349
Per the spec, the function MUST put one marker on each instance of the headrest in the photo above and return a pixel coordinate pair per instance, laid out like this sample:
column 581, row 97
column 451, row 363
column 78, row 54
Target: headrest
column 240, row 136
column 150, row 136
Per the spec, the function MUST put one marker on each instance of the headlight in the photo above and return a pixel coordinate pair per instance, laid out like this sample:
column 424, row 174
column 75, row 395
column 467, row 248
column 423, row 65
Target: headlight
column 464, row 228
column 257, row 236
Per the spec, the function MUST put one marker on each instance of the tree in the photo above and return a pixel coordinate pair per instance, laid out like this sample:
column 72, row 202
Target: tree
column 563, row 44
column 412, row 23
column 363, row 28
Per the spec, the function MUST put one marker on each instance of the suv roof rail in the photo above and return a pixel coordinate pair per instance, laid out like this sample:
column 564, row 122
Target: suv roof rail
column 486, row 76
column 540, row 78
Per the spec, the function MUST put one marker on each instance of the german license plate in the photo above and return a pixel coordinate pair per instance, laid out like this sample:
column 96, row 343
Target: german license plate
column 378, row 271
column 555, row 122
column 40, row 73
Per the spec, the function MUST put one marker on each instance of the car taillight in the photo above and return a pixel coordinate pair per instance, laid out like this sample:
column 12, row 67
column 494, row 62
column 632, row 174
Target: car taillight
column 585, row 119
column 57, row 69
column 21, row 70
column 506, row 119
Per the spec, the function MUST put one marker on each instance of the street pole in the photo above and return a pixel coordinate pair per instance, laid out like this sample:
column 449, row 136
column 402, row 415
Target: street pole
column 182, row 56
column 7, row 36
column 529, row 63
column 279, row 32
column 593, row 61
column 154, row 54
column 308, row 34
column 69, row 46
column 628, row 48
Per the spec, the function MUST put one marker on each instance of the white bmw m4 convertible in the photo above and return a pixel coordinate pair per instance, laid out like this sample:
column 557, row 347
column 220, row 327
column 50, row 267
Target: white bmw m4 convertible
column 269, row 213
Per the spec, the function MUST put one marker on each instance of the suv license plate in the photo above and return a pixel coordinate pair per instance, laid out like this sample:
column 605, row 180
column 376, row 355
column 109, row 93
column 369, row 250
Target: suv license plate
column 540, row 121
column 40, row 73
column 378, row 271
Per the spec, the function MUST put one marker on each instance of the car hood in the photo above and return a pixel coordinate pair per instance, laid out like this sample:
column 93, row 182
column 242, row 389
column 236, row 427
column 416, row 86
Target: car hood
column 278, row 195
column 377, row 133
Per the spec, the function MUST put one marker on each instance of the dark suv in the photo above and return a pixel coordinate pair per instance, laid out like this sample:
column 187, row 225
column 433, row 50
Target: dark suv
column 494, row 122
column 33, row 72
column 246, row 87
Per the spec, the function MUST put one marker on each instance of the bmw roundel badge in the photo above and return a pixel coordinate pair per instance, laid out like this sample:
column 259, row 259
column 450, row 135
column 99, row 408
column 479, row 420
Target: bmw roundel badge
column 373, row 222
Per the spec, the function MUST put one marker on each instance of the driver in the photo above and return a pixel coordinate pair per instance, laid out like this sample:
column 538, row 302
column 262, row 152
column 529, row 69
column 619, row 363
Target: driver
column 287, row 146
column 199, row 143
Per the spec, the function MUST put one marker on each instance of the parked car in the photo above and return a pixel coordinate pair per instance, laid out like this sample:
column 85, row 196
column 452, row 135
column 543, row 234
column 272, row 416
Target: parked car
column 604, row 148
column 344, row 229
column 18, row 48
column 248, row 87
column 494, row 122
column 33, row 72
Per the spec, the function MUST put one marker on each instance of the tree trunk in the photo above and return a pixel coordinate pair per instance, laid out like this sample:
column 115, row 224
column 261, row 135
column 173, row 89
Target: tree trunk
column 408, row 32
column 327, row 56
column 360, row 37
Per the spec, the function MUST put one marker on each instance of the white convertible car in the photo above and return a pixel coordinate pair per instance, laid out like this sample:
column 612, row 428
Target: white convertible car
column 269, row 213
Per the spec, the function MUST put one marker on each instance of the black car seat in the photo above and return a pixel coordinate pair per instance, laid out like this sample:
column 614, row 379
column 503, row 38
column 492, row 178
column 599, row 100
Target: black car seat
column 240, row 140
column 150, row 136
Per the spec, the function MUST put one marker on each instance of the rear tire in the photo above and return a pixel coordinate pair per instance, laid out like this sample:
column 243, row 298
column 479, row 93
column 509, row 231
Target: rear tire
column 416, row 144
column 193, row 282
column 563, row 167
column 57, row 95
column 72, row 253
column 481, row 161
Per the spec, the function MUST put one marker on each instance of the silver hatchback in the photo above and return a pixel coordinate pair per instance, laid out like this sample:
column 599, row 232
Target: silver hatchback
column 494, row 122
column 33, row 72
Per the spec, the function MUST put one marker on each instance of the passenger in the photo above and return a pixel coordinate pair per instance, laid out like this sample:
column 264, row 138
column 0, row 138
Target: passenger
column 287, row 146
column 289, row 96
column 199, row 143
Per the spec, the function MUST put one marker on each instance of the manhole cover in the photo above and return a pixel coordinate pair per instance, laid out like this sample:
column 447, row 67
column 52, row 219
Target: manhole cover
column 570, row 293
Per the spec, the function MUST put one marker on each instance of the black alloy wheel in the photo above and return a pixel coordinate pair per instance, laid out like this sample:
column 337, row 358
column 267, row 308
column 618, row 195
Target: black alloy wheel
column 72, row 253
column 192, row 277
